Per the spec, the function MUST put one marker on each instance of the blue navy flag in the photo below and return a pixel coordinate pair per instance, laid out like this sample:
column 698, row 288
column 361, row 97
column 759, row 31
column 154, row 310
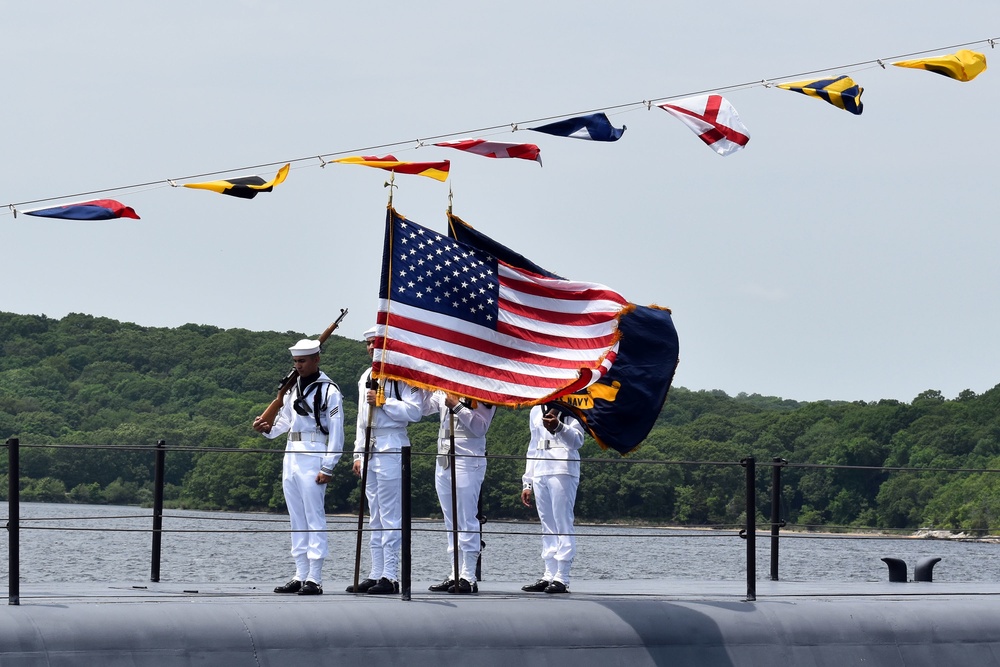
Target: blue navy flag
column 620, row 408
column 594, row 127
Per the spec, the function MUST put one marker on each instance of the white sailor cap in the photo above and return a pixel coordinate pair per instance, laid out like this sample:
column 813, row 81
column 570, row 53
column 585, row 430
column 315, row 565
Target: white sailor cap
column 305, row 348
column 368, row 335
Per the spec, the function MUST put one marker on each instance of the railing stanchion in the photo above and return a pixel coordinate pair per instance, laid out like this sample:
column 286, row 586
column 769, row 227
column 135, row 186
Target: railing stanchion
column 158, row 468
column 776, row 522
column 405, row 510
column 14, row 520
column 751, row 527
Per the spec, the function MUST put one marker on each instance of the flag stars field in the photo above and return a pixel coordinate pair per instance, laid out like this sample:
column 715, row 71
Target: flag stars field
column 451, row 262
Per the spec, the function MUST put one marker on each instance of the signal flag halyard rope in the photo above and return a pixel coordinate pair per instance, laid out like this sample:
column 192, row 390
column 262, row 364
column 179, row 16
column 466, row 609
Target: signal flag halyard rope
column 512, row 127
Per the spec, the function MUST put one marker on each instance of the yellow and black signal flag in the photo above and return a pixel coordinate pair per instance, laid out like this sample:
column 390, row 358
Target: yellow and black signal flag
column 841, row 92
column 962, row 65
column 435, row 170
column 245, row 187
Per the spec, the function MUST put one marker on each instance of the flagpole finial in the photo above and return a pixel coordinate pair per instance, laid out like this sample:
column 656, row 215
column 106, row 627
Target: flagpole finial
column 450, row 197
column 390, row 184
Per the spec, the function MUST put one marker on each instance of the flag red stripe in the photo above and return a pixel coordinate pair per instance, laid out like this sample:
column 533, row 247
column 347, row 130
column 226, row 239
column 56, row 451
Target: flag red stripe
column 555, row 340
column 474, row 368
column 555, row 317
column 552, row 290
column 411, row 375
column 474, row 343
column 406, row 374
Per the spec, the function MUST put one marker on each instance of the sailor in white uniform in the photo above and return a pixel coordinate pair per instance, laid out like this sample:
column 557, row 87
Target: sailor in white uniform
column 313, row 417
column 403, row 404
column 552, row 473
column 471, row 420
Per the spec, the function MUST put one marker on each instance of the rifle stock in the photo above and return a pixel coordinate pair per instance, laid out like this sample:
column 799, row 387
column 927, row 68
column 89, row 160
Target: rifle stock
column 271, row 411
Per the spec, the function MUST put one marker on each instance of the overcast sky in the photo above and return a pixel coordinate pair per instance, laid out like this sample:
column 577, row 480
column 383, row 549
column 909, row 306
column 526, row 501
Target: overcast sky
column 836, row 257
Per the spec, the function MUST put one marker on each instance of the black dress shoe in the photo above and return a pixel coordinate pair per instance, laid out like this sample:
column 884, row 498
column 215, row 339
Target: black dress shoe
column 363, row 586
column 556, row 587
column 311, row 588
column 442, row 587
column 292, row 586
column 464, row 587
column 536, row 587
column 383, row 587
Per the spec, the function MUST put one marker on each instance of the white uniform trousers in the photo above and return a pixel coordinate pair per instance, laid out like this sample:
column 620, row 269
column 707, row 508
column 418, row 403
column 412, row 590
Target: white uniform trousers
column 304, row 499
column 385, row 521
column 469, row 475
column 555, row 496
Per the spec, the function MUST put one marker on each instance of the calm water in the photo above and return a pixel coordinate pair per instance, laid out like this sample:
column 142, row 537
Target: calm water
column 111, row 544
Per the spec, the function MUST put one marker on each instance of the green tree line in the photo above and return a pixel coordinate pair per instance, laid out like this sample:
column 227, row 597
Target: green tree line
column 90, row 381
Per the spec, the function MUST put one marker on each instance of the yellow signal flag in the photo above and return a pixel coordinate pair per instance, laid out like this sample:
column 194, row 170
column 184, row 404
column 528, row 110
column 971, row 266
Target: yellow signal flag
column 244, row 187
column 962, row 65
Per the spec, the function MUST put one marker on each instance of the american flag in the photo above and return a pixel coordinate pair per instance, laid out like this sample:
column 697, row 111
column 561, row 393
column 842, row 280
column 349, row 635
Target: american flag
column 455, row 318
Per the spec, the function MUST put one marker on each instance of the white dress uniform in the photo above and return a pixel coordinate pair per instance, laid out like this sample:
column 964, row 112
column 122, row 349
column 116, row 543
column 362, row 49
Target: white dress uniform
column 552, row 471
column 308, row 452
column 471, row 425
column 403, row 404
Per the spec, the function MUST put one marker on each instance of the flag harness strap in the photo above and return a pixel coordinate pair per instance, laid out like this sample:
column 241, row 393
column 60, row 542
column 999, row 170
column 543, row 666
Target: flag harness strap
column 317, row 409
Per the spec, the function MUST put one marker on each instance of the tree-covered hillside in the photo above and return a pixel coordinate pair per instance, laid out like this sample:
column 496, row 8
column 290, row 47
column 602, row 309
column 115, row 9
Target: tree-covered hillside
column 88, row 381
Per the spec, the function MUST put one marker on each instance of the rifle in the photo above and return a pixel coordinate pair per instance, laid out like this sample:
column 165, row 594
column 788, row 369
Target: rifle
column 288, row 381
